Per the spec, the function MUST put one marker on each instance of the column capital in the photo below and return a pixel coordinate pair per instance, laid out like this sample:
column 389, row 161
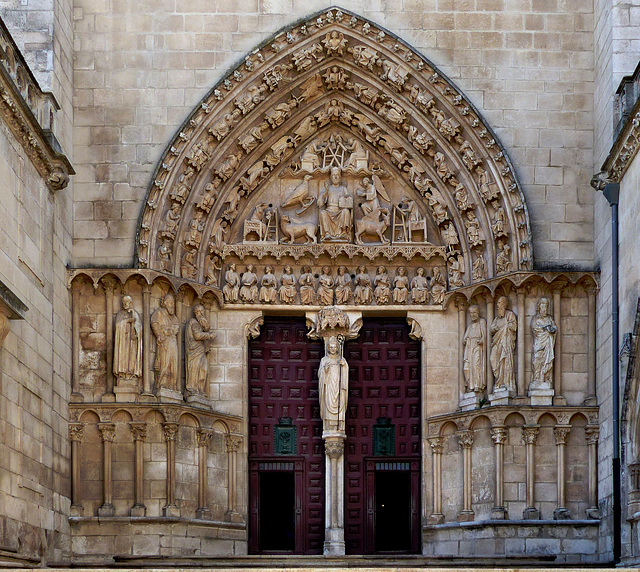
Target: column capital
column 530, row 434
column 334, row 447
column 138, row 430
column 76, row 432
column 561, row 433
column 437, row 445
column 170, row 430
column 107, row 432
column 203, row 437
column 592, row 434
column 465, row 439
column 499, row 435
column 232, row 442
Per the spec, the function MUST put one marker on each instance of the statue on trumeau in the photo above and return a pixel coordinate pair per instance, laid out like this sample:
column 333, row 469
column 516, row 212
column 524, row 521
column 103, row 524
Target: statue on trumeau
column 544, row 331
column 127, row 347
column 165, row 327
column 197, row 340
column 475, row 343
column 336, row 205
column 333, row 385
column 503, row 342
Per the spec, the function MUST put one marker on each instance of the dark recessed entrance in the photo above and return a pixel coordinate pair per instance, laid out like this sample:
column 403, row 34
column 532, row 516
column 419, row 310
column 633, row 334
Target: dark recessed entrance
column 277, row 516
column 393, row 511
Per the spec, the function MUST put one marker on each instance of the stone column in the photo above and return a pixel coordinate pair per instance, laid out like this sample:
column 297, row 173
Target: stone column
column 139, row 432
column 147, row 393
column 558, row 399
column 108, row 435
column 521, row 340
column 499, row 436
column 109, row 288
column 203, row 437
column 591, row 380
column 76, row 396
column 561, row 433
column 76, row 435
column 592, row 433
column 181, row 364
column 490, row 316
column 334, row 505
column 233, row 443
column 437, row 447
column 461, row 304
column 465, row 439
column 170, row 430
column 530, row 436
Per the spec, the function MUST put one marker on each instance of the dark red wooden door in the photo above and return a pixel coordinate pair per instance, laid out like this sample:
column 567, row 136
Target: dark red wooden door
column 285, row 435
column 383, row 432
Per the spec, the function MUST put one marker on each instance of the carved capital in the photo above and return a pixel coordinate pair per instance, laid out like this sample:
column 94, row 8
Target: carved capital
column 203, row 437
column 333, row 321
column 592, row 434
column 530, row 434
column 461, row 302
column 138, row 430
column 561, row 433
column 499, row 435
column 437, row 445
column 107, row 432
column 232, row 442
column 334, row 447
column 252, row 329
column 465, row 439
column 76, row 432
column 170, row 430
column 109, row 283
column 416, row 329
column 591, row 288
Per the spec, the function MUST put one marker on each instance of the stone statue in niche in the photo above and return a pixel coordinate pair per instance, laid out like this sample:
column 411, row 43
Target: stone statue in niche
column 250, row 140
column 210, row 194
column 171, row 221
column 231, row 286
column 164, row 255
column 268, row 286
column 336, row 205
column 218, row 235
column 333, row 378
column 249, row 288
column 474, row 233
column 544, row 331
column 469, row 156
column 450, row 237
column 382, row 285
column 307, row 286
column 438, row 286
column 127, row 346
column 287, row 290
column 165, row 327
column 419, row 288
column 503, row 258
column 211, row 278
column 188, row 267
column 376, row 219
column 462, row 198
column 196, row 226
column 487, row 189
column 197, row 340
column 503, row 343
column 325, row 287
column 401, row 286
column 456, row 270
column 343, row 286
column 334, row 44
column 499, row 221
column 363, row 293
column 478, row 271
column 475, row 343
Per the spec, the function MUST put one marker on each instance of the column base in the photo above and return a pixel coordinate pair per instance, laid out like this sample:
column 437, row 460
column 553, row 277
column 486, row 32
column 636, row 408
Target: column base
column 126, row 391
column 76, row 397
column 108, row 398
column 334, row 542
column 203, row 513
column 561, row 513
column 501, row 396
column 165, row 394
column 531, row 513
column 147, row 398
column 76, row 510
column 499, row 513
column 170, row 510
column 541, row 395
column 591, row 400
column 107, row 510
column 138, row 510
column 435, row 518
column 470, row 401
column 199, row 399
column 233, row 516
column 466, row 516
column 593, row 513
column 559, row 400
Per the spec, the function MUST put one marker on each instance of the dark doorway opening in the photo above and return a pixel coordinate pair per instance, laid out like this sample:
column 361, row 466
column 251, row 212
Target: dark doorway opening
column 393, row 511
column 277, row 512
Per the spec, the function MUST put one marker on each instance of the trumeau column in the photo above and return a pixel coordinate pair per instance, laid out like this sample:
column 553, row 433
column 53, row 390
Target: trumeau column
column 465, row 439
column 334, row 326
column 76, row 396
column 147, row 393
column 203, row 437
column 108, row 435
column 521, row 339
column 233, row 443
column 561, row 433
column 530, row 436
column 558, row 399
column 490, row 309
column 591, row 380
column 109, row 288
column 592, row 433
column 437, row 447
column 76, row 435
column 499, row 436
column 139, row 432
column 170, row 430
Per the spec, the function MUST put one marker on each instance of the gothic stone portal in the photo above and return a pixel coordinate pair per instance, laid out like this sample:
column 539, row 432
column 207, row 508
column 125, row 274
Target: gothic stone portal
column 382, row 452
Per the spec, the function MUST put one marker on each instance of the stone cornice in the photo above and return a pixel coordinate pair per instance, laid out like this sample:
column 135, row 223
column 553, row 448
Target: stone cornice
column 29, row 113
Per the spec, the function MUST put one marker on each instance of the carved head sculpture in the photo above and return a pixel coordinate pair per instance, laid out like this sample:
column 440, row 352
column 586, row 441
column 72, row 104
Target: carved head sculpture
column 362, row 270
column 382, row 270
column 502, row 304
column 287, row 270
column 127, row 303
column 420, row 271
column 342, row 270
column 268, row 270
column 232, row 267
column 199, row 314
column 326, row 270
column 474, row 312
column 169, row 303
column 543, row 307
column 335, row 176
column 402, row 271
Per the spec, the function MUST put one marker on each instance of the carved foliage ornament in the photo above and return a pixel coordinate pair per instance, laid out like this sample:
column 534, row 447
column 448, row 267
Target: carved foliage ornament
column 403, row 116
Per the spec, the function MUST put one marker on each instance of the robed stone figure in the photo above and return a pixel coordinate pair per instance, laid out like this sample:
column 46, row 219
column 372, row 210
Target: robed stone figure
column 335, row 209
column 165, row 326
column 544, row 331
column 127, row 347
column 503, row 343
column 333, row 377
column 197, row 341
column 475, row 343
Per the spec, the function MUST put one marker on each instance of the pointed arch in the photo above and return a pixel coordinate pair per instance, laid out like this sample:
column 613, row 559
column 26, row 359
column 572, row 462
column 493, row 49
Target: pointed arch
column 335, row 74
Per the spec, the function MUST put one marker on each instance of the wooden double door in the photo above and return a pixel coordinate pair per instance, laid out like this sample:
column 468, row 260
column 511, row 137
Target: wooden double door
column 382, row 450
